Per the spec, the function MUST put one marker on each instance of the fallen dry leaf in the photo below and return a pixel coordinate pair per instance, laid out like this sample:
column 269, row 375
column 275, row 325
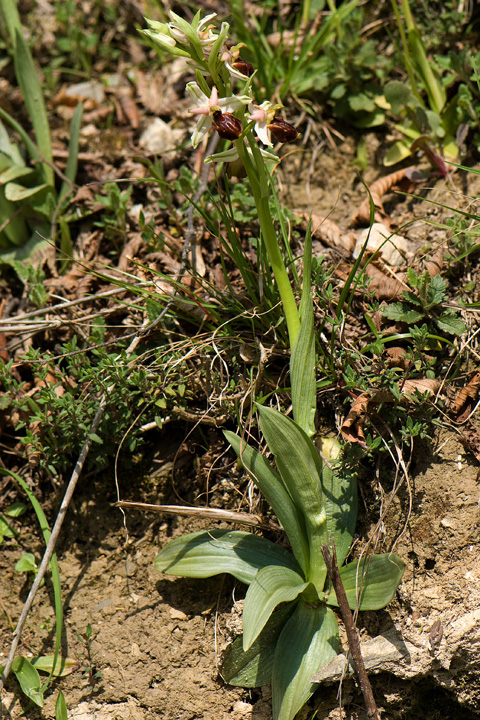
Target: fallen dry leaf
column 378, row 189
column 352, row 426
column 329, row 233
column 465, row 400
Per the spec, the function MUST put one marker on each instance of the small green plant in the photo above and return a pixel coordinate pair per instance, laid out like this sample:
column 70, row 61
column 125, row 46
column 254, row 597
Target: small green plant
column 427, row 302
column 7, row 530
column 91, row 671
column 429, row 124
column 27, row 564
column 31, row 206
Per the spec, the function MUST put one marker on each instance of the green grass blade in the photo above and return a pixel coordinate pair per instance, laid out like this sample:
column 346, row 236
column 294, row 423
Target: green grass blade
column 72, row 162
column 271, row 486
column 376, row 577
column 308, row 641
column 33, row 97
column 272, row 585
column 302, row 362
column 211, row 552
column 57, row 587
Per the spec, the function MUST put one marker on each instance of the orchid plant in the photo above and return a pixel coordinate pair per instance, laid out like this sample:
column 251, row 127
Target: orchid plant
column 289, row 627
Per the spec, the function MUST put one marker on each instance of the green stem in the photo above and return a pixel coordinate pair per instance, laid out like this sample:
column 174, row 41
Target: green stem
column 258, row 178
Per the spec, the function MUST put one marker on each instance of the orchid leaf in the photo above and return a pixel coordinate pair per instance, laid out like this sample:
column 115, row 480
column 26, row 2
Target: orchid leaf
column 271, row 486
column 308, row 641
column 253, row 668
column 272, row 585
column 211, row 552
column 300, row 467
column 375, row 579
column 340, row 497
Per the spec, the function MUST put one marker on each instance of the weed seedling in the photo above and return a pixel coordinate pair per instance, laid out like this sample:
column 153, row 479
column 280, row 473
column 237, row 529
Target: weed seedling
column 90, row 671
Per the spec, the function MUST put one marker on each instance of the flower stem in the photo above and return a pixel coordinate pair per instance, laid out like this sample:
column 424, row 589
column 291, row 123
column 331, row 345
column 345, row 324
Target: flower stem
column 259, row 183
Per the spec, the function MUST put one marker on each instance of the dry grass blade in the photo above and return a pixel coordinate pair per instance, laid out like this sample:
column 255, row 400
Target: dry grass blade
column 195, row 512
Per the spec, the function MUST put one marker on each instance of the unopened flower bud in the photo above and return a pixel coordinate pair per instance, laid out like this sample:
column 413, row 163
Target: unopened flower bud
column 282, row 131
column 227, row 125
column 243, row 67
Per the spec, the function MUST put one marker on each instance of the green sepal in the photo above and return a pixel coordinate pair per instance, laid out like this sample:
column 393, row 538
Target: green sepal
column 272, row 586
column 211, row 552
column 377, row 577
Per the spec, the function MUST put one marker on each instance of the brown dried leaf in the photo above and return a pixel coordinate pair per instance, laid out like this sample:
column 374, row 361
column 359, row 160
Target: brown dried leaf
column 128, row 106
column 421, row 385
column 466, row 399
column 330, row 234
column 378, row 189
column 352, row 426
column 471, row 439
column 384, row 286
column 435, row 264
column 397, row 357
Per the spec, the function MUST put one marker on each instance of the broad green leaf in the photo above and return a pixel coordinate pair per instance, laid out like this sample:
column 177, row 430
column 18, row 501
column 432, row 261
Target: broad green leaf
column 340, row 498
column 402, row 312
column 398, row 95
column 270, row 485
column 253, row 668
column 398, row 152
column 302, row 362
column 211, row 552
column 308, row 641
column 13, row 172
column 63, row 666
column 272, row 585
column 6, row 530
column 61, row 707
column 15, row 231
column 27, row 563
column 16, row 192
column 376, row 577
column 451, row 323
column 16, row 509
column 29, row 680
column 300, row 467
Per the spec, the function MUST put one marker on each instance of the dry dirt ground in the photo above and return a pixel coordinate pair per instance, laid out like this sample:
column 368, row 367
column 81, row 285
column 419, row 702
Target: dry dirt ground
column 158, row 641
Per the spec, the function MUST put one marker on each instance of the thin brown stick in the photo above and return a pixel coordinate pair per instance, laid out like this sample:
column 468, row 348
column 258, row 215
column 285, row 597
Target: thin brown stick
column 352, row 636
column 53, row 540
